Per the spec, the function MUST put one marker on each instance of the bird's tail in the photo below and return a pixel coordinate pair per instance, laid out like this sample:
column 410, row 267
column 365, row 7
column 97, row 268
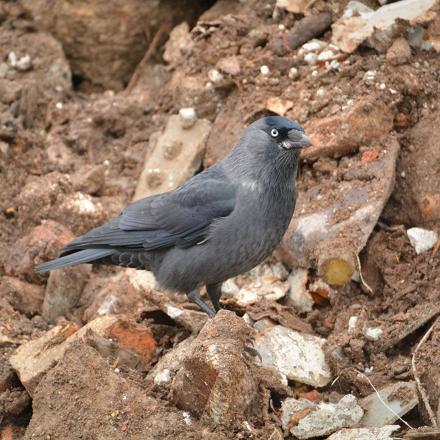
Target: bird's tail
column 83, row 256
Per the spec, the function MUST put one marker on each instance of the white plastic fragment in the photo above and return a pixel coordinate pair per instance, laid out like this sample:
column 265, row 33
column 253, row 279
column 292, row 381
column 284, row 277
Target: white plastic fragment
column 298, row 357
column 422, row 239
column 383, row 433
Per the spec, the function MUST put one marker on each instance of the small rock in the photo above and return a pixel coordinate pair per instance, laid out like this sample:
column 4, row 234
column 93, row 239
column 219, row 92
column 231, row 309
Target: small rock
column 293, row 73
column 63, row 291
column 4, row 148
column 174, row 158
column 215, row 76
column 90, row 179
column 373, row 333
column 24, row 297
column 314, row 420
column 278, row 105
column 295, row 6
column 229, row 65
column 313, row 46
column 310, row 58
column 169, row 364
column 188, row 117
column 383, row 433
column 215, row 383
column 298, row 295
column 24, row 63
column 3, row 70
column 120, row 293
column 179, row 43
column 43, row 243
column 80, row 212
column 264, row 70
column 378, row 415
column 399, row 52
column 296, row 356
column 422, row 239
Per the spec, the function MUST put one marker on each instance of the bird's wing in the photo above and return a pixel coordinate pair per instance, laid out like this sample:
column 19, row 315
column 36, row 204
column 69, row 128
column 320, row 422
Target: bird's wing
column 179, row 218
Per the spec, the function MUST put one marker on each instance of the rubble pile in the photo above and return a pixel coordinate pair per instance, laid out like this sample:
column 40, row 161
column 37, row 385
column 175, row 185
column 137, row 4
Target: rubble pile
column 336, row 335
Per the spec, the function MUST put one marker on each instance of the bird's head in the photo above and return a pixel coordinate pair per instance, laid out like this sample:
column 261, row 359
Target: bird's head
column 270, row 144
column 278, row 134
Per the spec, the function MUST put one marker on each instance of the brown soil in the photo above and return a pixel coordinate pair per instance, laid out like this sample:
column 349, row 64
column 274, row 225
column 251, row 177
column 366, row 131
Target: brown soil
column 56, row 141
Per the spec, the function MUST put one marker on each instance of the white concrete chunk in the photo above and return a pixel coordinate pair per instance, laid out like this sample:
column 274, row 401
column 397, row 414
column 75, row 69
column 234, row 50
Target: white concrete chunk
column 296, row 356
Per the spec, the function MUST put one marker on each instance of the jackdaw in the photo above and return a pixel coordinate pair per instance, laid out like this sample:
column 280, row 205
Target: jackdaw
column 220, row 223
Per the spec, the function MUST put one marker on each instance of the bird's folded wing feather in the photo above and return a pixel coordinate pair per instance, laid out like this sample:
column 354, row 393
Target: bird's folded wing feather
column 179, row 218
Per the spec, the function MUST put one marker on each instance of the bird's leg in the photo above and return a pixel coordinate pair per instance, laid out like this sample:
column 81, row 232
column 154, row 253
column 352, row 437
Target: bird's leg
column 195, row 297
column 215, row 293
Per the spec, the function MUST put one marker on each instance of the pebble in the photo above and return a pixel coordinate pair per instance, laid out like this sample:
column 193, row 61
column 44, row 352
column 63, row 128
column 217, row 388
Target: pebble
column 264, row 70
column 215, row 76
column 188, row 117
column 421, row 239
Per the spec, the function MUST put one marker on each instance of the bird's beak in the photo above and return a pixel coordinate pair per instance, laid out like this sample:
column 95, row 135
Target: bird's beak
column 296, row 140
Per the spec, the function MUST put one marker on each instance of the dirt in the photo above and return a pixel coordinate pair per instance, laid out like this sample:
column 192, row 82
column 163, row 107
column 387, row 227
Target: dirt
column 63, row 149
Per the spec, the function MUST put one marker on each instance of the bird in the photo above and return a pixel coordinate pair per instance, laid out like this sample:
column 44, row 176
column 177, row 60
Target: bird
column 220, row 223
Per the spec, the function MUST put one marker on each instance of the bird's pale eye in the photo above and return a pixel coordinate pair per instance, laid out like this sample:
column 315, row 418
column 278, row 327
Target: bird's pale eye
column 274, row 132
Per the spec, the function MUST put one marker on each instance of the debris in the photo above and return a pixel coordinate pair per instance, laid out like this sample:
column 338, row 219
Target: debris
column 306, row 419
column 382, row 433
column 117, row 294
column 164, row 167
column 328, row 234
column 295, row 6
column 215, row 382
column 307, row 28
column 264, row 281
column 338, row 135
column 79, row 212
column 360, row 22
column 296, row 356
column 293, row 73
column 34, row 359
column 63, row 291
column 169, row 364
column 25, row 297
column 298, row 295
column 373, row 333
column 229, row 65
column 321, row 292
column 43, row 243
column 215, row 76
column 278, row 105
column 178, row 44
column 384, row 408
column 399, row 52
column 421, row 239
column 188, row 117
column 84, row 387
column 264, row 70
column 90, row 179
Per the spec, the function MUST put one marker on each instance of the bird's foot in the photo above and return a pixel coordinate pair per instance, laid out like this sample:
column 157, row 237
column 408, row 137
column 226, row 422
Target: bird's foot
column 195, row 297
